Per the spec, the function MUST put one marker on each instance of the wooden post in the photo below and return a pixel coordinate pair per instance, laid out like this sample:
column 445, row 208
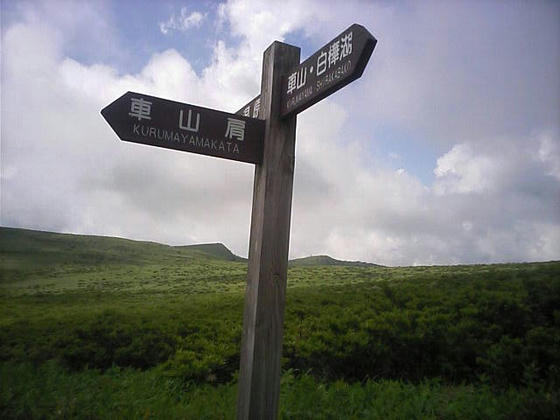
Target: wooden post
column 263, row 318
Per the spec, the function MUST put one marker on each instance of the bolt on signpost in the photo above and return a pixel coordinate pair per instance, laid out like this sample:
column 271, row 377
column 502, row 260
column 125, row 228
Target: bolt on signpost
column 263, row 133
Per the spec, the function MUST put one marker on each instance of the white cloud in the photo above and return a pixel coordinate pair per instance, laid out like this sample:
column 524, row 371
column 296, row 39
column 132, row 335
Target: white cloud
column 549, row 153
column 461, row 171
column 181, row 22
column 454, row 72
column 252, row 19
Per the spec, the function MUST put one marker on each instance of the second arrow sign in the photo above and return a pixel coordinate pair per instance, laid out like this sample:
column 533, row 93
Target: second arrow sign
column 335, row 65
column 174, row 125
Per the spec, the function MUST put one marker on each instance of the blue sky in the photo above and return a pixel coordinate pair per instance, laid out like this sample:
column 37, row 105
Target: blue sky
column 141, row 34
column 136, row 33
column 446, row 150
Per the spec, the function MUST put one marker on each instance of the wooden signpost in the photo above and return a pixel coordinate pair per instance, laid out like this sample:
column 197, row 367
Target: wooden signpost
column 262, row 132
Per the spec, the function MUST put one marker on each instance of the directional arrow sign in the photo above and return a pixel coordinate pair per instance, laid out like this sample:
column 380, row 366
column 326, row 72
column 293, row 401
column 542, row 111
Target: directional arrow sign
column 158, row 122
column 335, row 65
column 338, row 63
column 252, row 109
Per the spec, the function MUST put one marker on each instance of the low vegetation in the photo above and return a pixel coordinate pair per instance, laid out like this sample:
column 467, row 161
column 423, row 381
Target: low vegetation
column 93, row 327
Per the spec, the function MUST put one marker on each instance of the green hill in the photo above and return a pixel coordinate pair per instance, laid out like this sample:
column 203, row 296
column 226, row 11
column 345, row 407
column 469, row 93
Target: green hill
column 49, row 248
column 35, row 261
column 30, row 249
column 319, row 260
column 217, row 250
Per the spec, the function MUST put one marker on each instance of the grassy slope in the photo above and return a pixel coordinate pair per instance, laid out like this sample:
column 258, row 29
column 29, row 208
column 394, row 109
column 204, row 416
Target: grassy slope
column 28, row 250
column 20, row 247
column 326, row 260
column 41, row 262
column 216, row 250
column 176, row 312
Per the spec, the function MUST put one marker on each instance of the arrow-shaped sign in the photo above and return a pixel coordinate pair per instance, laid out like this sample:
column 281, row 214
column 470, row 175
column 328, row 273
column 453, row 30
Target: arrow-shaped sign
column 145, row 119
column 252, row 109
column 338, row 63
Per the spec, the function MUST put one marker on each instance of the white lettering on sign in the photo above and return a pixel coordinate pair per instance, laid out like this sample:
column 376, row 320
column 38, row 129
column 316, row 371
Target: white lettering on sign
column 301, row 77
column 256, row 108
column 189, row 126
column 247, row 111
column 291, row 82
column 321, row 63
column 333, row 75
column 297, row 80
column 300, row 96
column 235, row 128
column 335, row 52
column 193, row 140
column 346, row 45
column 140, row 108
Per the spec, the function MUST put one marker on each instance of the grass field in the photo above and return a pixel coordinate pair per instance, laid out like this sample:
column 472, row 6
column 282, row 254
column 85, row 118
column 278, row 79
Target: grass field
column 95, row 327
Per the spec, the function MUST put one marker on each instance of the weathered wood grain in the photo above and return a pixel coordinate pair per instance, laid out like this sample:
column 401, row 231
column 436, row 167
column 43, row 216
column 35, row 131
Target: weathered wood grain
column 263, row 318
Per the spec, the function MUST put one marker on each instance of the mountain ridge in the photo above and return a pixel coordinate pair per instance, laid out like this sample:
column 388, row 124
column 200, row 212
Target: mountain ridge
column 111, row 248
column 328, row 260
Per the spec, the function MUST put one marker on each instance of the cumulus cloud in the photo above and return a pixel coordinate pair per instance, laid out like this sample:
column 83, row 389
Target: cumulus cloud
column 453, row 72
column 549, row 153
column 181, row 22
column 459, row 170
column 483, row 206
column 495, row 195
column 63, row 169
